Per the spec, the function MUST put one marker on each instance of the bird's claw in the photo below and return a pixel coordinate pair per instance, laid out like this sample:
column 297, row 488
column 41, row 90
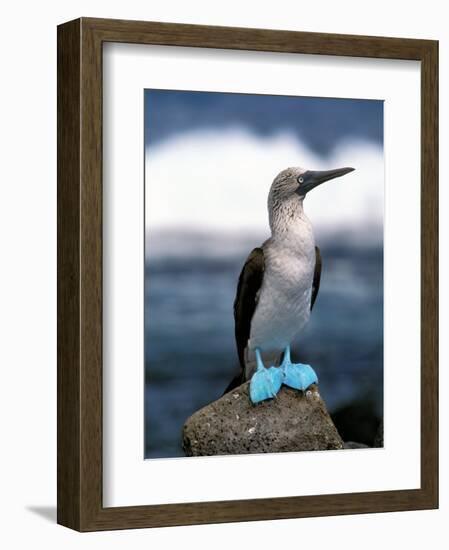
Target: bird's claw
column 265, row 384
column 298, row 375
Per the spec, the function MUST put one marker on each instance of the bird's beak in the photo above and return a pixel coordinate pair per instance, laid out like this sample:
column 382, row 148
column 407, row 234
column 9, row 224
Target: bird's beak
column 313, row 178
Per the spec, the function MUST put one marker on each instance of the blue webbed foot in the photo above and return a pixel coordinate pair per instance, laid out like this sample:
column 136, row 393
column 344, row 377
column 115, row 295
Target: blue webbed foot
column 297, row 375
column 265, row 383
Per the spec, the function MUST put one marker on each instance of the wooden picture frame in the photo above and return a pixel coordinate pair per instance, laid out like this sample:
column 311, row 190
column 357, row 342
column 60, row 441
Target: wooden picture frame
column 80, row 504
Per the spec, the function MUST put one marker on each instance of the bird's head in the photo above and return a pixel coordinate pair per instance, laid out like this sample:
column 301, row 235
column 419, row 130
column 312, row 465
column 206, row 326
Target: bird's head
column 297, row 182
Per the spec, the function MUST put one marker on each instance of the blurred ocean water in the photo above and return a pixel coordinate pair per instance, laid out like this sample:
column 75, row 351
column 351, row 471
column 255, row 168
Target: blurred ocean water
column 190, row 354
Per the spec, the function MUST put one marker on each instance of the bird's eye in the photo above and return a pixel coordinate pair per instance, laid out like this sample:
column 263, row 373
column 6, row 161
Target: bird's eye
column 300, row 179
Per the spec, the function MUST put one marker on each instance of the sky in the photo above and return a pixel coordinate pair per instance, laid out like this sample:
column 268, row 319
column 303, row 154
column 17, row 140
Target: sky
column 211, row 157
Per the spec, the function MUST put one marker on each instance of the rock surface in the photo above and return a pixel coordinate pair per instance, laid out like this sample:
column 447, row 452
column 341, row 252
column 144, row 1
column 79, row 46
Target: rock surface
column 294, row 421
column 355, row 445
column 379, row 439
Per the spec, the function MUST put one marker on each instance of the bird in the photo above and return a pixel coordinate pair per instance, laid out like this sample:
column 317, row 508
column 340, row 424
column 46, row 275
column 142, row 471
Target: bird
column 277, row 288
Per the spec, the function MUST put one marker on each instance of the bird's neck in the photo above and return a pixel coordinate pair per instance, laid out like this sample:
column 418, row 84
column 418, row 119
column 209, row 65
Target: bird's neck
column 288, row 220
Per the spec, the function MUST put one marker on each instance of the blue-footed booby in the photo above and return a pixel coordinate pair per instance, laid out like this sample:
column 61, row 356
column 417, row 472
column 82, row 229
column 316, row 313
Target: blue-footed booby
column 277, row 288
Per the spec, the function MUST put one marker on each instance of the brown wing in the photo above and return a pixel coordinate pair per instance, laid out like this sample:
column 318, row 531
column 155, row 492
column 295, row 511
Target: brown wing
column 245, row 302
column 316, row 276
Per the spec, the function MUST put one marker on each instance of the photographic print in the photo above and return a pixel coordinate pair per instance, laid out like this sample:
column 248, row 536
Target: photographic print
column 263, row 273
column 231, row 294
